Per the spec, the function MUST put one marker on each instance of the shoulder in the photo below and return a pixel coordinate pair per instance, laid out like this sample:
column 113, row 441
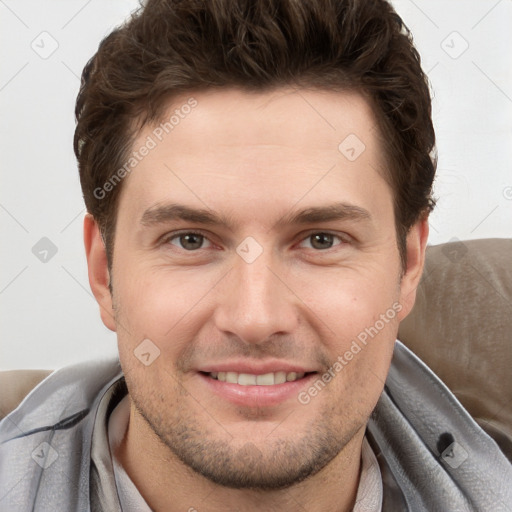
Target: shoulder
column 36, row 398
column 45, row 442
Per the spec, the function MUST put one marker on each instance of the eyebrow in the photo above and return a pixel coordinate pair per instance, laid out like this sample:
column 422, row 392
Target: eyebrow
column 165, row 213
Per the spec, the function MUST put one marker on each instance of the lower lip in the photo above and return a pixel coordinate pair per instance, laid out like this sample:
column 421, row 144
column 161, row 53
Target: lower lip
column 257, row 396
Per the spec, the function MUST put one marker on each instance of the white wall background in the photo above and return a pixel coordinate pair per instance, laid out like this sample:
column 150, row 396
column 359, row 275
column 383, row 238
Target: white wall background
column 48, row 316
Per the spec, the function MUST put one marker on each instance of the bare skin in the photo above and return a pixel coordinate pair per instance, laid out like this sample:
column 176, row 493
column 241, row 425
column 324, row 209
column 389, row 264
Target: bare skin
column 196, row 442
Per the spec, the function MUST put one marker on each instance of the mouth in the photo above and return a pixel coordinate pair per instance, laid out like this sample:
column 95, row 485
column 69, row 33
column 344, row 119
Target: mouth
column 259, row 390
column 249, row 379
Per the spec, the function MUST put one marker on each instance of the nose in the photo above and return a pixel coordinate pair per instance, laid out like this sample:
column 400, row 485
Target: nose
column 255, row 301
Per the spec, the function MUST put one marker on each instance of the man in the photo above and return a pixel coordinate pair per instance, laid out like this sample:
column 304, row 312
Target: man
column 258, row 179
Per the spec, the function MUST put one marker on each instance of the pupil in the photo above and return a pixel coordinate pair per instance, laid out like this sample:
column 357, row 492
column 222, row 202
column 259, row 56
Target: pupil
column 190, row 244
column 322, row 237
column 319, row 241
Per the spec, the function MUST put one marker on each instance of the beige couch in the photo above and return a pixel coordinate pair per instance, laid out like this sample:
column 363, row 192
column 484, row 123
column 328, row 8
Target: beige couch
column 461, row 326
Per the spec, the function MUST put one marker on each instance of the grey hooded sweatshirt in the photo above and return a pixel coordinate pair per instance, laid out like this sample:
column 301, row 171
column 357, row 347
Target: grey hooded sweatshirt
column 432, row 455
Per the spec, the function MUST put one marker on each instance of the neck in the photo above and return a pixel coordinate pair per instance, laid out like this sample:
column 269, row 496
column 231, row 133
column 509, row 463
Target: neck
column 169, row 485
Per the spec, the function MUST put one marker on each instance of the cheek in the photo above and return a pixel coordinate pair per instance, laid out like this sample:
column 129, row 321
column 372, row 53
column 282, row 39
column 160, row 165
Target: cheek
column 351, row 300
column 358, row 319
column 163, row 303
column 160, row 304
column 363, row 325
column 159, row 298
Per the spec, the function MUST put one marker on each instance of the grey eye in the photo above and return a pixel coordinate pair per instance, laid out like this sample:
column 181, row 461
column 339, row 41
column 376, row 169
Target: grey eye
column 188, row 241
column 322, row 240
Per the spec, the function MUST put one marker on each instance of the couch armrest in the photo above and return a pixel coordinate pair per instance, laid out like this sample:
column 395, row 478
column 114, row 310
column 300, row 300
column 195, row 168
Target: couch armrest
column 15, row 385
column 460, row 326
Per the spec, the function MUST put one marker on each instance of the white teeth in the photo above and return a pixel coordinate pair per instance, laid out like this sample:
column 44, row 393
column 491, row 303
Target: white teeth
column 231, row 377
column 279, row 377
column 247, row 379
column 265, row 380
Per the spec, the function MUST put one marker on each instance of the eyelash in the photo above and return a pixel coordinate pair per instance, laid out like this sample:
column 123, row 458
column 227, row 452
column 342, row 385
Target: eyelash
column 168, row 238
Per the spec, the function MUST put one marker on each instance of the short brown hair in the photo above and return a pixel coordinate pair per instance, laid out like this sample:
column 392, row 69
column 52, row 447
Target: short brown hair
column 168, row 47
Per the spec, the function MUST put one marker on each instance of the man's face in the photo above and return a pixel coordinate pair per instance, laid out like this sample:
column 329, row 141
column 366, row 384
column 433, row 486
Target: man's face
column 262, row 294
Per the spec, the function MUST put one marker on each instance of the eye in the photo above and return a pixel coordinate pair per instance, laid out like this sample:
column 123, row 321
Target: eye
column 322, row 241
column 194, row 240
column 188, row 240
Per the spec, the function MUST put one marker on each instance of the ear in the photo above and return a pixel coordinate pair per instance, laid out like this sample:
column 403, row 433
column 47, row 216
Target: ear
column 416, row 246
column 98, row 270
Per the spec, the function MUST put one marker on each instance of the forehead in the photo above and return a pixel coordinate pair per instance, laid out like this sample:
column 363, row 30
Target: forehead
column 234, row 148
column 289, row 117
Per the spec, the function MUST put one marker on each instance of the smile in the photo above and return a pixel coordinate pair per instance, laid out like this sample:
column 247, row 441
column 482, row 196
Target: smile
column 248, row 379
column 261, row 389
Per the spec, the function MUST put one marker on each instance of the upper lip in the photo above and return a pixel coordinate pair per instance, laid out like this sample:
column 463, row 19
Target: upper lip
column 255, row 367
